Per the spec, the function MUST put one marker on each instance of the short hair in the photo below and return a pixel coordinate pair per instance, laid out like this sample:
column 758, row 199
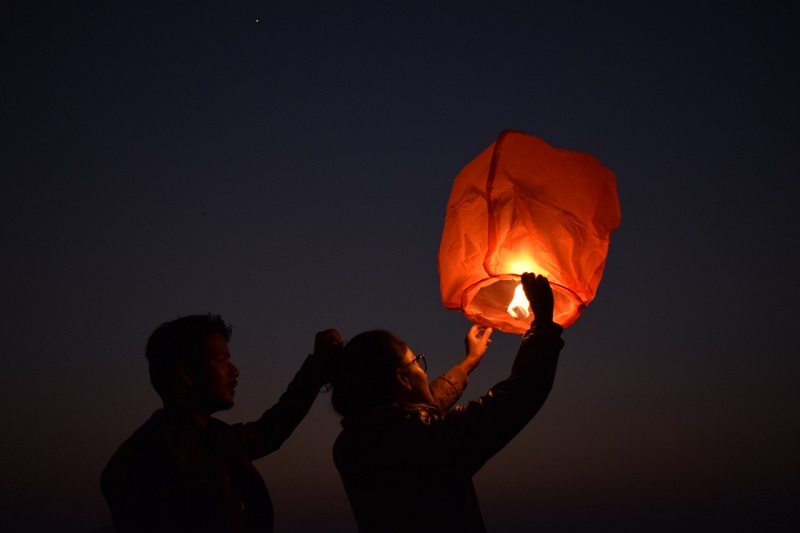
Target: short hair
column 180, row 341
column 363, row 371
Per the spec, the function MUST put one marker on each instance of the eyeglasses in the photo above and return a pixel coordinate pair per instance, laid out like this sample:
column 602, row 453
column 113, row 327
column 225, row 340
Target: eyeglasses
column 420, row 360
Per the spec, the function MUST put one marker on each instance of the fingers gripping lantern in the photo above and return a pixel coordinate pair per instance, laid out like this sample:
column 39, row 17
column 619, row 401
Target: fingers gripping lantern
column 524, row 206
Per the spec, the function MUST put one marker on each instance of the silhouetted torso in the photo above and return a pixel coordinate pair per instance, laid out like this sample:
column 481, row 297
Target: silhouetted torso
column 174, row 475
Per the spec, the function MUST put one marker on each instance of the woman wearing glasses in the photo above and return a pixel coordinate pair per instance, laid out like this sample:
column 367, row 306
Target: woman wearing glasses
column 406, row 461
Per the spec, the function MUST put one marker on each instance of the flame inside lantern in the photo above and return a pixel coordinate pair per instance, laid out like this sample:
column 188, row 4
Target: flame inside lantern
column 518, row 308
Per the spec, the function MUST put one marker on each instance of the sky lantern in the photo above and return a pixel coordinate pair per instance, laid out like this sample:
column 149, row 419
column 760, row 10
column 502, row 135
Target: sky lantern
column 524, row 206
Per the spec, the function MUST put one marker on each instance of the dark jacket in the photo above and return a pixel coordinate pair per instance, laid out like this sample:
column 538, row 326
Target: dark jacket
column 173, row 474
column 410, row 467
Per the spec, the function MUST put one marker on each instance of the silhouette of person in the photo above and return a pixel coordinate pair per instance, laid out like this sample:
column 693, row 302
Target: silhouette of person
column 184, row 470
column 406, row 464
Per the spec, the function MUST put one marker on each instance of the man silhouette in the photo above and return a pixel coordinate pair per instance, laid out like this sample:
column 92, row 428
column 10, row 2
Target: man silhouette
column 184, row 470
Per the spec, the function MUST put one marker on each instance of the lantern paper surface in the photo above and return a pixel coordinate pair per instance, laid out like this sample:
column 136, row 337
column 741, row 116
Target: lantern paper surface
column 524, row 206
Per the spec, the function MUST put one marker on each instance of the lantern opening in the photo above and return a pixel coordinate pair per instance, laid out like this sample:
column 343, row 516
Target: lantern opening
column 485, row 304
column 518, row 308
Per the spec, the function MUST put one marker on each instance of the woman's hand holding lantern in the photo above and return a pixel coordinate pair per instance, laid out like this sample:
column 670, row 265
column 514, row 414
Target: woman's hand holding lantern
column 540, row 295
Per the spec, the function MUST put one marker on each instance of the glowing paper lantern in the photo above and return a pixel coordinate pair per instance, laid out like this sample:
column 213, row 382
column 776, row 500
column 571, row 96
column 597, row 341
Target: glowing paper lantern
column 524, row 206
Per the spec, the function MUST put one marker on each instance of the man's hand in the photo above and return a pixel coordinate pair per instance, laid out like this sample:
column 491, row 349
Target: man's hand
column 540, row 295
column 326, row 342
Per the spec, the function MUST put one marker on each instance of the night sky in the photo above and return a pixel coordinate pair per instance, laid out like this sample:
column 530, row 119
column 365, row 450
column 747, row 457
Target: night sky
column 288, row 167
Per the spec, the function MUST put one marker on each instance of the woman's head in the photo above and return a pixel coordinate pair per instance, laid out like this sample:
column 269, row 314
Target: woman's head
column 365, row 370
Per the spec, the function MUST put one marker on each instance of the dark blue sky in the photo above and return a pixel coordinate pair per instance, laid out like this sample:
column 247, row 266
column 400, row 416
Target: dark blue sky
column 289, row 166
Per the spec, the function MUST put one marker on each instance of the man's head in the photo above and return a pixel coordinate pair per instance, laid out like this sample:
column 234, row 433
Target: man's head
column 189, row 360
column 377, row 368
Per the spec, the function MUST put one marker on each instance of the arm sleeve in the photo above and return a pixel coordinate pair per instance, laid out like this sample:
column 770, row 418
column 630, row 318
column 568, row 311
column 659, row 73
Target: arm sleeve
column 478, row 430
column 279, row 421
column 447, row 388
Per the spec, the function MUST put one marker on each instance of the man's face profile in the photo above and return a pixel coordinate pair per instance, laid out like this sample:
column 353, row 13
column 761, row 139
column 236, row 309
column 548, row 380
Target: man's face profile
column 214, row 382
